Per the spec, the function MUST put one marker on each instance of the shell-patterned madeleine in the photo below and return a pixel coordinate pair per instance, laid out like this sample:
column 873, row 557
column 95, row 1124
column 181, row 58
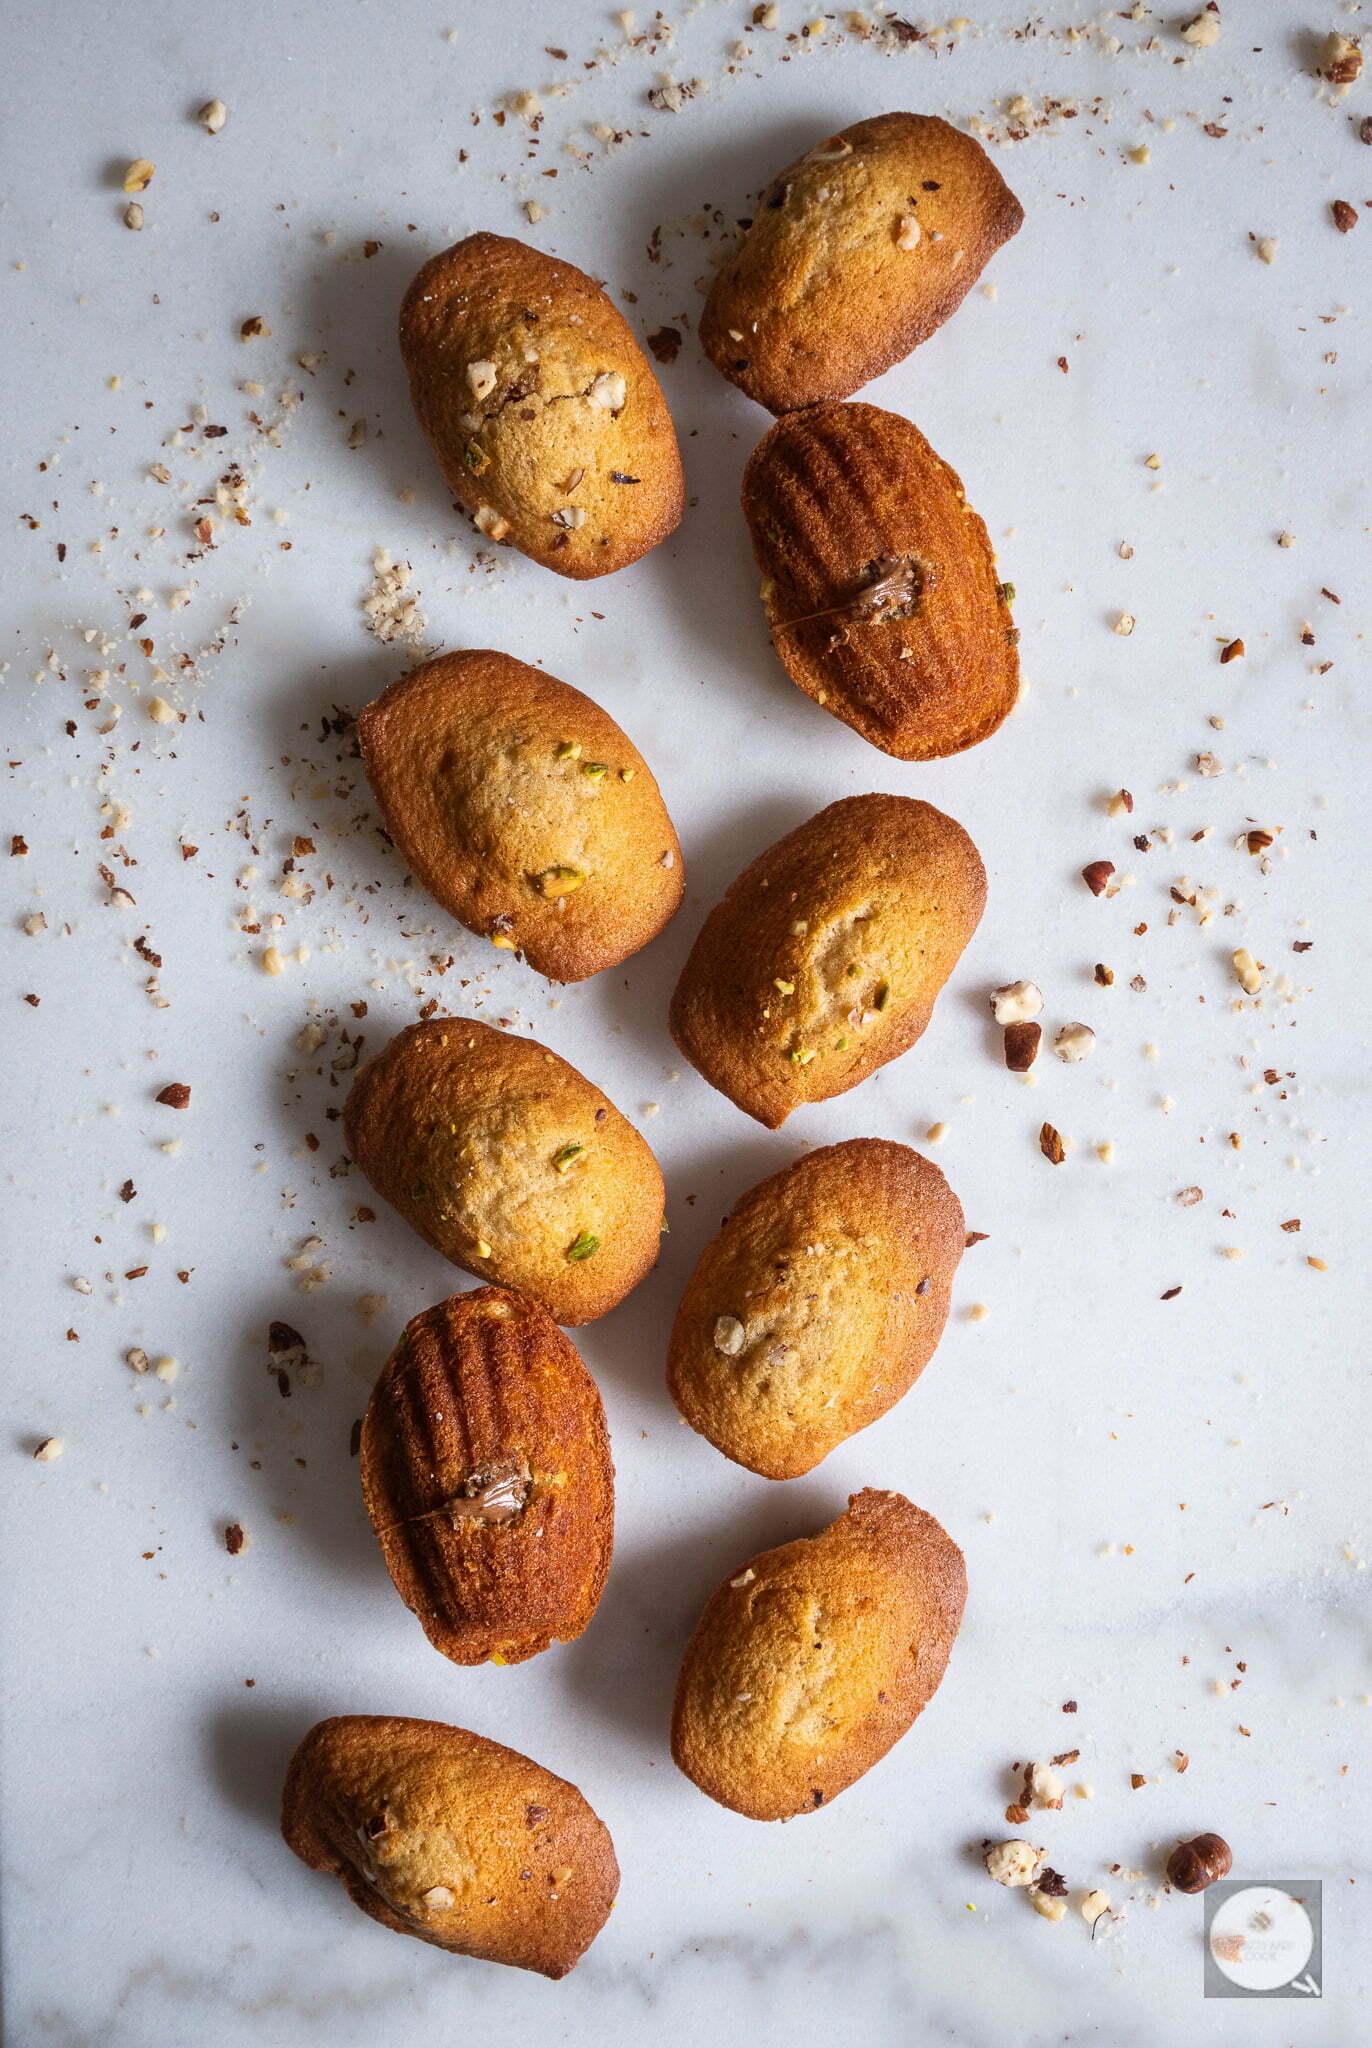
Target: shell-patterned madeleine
column 509, row 1162
column 818, row 1305
column 855, row 254
column 486, row 1472
column 879, row 583
column 812, row 1661
column 444, row 1835
column 824, row 959
column 524, row 810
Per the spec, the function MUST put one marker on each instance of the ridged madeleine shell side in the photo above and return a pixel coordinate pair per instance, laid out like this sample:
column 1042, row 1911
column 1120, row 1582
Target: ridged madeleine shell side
column 834, row 495
column 826, row 955
column 488, row 1380
column 810, row 1662
column 524, row 810
column 444, row 1835
column 818, row 1305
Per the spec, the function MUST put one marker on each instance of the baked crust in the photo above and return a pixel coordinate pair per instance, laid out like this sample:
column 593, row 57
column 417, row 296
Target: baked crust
column 547, row 421
column 486, row 1472
column 480, row 1138
column 478, row 1849
column 524, row 810
column 856, row 253
column 879, row 581
column 811, row 1662
column 818, row 1305
column 825, row 957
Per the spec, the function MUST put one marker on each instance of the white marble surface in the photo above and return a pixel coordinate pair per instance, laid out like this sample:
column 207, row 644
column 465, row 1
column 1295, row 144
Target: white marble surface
column 148, row 1897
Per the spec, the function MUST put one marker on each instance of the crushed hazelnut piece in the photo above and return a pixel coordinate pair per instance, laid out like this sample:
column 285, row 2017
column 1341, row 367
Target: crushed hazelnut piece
column 1016, row 1002
column 1074, row 1042
column 1014, row 1863
column 212, row 116
column 728, row 1335
column 1248, row 972
column 51, row 1447
column 139, row 174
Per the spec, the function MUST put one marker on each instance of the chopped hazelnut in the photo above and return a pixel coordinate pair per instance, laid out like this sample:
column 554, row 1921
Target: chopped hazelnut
column 907, row 232
column 1075, row 1042
column 1120, row 804
column 1049, row 1907
column 139, row 174
column 728, row 1336
column 1044, row 1786
column 1017, row 1001
column 1093, row 1904
column 1013, row 1863
column 1022, row 1045
column 1096, row 875
column 481, row 379
column 1203, row 32
column 608, row 392
column 51, row 1447
column 1248, row 972
column 1124, row 625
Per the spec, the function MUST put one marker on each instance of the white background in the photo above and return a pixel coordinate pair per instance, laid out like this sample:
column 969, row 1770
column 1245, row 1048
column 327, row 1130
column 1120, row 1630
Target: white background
column 1106, row 1459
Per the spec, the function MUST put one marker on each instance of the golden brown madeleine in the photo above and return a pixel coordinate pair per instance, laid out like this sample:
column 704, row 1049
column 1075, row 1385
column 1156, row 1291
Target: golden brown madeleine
column 548, row 424
column 879, row 582
column 510, row 1163
column 824, row 959
column 818, row 1305
column 438, row 1833
column 855, row 255
column 486, row 1472
column 524, row 810
column 810, row 1662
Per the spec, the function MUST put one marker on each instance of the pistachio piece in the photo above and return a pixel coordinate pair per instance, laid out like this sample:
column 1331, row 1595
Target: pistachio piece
column 558, row 881
column 584, row 1246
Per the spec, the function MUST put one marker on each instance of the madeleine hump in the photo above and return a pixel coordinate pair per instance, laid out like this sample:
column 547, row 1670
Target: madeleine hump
column 826, row 956
column 810, row 1662
column 524, row 810
column 509, row 1162
column 438, row 1833
column 854, row 255
column 818, row 1305
column 547, row 422
column 486, row 1472
column 878, row 581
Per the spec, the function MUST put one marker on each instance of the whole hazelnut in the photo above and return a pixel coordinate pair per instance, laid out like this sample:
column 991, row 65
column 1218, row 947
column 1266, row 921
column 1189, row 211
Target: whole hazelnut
column 1195, row 1865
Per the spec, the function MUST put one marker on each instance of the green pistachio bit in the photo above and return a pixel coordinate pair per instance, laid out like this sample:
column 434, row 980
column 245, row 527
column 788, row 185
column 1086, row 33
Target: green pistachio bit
column 563, row 1159
column 476, row 458
column 568, row 751
column 840, row 1045
column 558, row 881
column 666, row 1228
column 595, row 769
column 882, row 996
column 583, row 1247
column 1007, row 591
